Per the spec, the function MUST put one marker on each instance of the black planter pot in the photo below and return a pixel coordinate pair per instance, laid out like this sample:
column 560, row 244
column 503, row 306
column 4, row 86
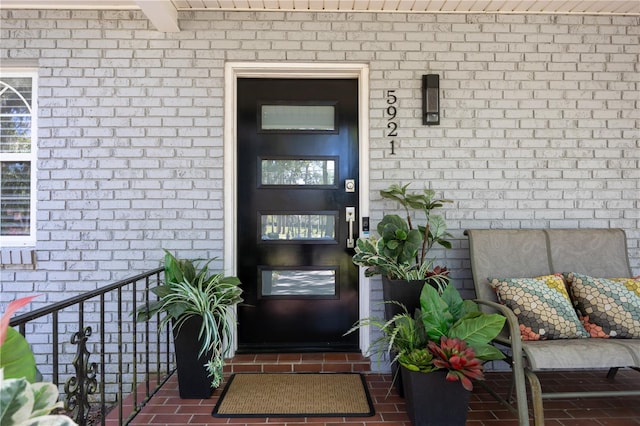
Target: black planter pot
column 407, row 293
column 431, row 400
column 193, row 380
column 403, row 291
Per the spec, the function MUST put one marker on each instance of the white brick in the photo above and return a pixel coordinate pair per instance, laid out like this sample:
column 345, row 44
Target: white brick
column 539, row 124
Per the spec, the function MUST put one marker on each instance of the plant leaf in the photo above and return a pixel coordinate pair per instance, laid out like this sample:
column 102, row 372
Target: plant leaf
column 453, row 300
column 487, row 352
column 12, row 307
column 45, row 398
column 435, row 313
column 477, row 328
column 16, row 401
column 52, row 420
column 17, row 358
column 397, row 193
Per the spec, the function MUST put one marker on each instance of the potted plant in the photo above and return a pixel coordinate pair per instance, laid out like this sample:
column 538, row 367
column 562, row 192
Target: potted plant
column 440, row 350
column 197, row 303
column 24, row 401
column 400, row 253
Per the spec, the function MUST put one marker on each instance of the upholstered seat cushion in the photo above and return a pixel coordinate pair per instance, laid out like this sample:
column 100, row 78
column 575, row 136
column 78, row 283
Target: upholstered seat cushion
column 607, row 307
column 542, row 305
column 573, row 354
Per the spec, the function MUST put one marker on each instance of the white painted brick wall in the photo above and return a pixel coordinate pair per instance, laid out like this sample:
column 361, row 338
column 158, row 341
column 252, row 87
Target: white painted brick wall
column 540, row 126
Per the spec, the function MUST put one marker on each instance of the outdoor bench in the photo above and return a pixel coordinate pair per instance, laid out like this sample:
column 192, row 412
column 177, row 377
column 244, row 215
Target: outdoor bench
column 498, row 255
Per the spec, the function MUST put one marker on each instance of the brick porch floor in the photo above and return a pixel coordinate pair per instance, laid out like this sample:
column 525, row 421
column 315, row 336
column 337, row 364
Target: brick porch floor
column 166, row 408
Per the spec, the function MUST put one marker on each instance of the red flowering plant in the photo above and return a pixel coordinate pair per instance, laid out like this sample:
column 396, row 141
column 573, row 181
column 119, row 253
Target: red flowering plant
column 453, row 355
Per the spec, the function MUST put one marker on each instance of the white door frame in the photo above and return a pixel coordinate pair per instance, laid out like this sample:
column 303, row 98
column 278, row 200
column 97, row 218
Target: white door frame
column 234, row 70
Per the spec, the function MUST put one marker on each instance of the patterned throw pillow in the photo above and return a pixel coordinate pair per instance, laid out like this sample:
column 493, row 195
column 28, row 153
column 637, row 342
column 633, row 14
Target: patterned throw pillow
column 542, row 306
column 607, row 307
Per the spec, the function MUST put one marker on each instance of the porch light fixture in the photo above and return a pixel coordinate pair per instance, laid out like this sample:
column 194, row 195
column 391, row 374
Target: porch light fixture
column 430, row 99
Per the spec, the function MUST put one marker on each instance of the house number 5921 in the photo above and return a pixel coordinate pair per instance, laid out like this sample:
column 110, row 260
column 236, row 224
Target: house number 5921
column 391, row 113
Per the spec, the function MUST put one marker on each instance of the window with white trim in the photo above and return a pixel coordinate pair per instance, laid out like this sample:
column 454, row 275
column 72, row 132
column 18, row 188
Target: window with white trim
column 18, row 143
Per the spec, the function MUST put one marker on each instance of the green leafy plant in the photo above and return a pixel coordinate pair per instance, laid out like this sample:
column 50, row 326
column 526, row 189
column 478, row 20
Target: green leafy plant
column 434, row 230
column 401, row 334
column 447, row 332
column 191, row 289
column 30, row 404
column 22, row 402
column 16, row 357
column 419, row 359
column 401, row 250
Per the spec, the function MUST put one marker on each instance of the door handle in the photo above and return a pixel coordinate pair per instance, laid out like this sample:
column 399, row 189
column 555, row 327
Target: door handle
column 351, row 218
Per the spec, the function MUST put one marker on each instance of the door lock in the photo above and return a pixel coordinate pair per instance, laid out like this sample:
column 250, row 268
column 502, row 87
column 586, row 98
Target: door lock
column 351, row 218
column 350, row 185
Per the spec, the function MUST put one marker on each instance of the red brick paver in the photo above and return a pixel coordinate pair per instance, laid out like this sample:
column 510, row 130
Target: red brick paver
column 166, row 408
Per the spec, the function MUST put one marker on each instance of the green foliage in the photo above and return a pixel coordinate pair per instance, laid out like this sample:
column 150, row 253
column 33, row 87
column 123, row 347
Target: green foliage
column 446, row 325
column 401, row 334
column 401, row 251
column 434, row 230
column 191, row 290
column 448, row 315
column 369, row 254
column 399, row 242
column 23, row 403
column 419, row 359
column 26, row 404
column 16, row 357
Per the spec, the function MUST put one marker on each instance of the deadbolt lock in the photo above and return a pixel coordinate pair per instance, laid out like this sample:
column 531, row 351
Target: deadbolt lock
column 350, row 185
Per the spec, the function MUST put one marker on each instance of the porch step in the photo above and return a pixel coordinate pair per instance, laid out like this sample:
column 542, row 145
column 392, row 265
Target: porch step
column 298, row 363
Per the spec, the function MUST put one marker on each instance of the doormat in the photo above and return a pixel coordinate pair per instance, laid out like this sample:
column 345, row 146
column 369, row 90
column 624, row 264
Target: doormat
column 295, row 395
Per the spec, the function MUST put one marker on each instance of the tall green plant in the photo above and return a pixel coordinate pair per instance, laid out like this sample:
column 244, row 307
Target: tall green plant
column 190, row 290
column 434, row 230
column 401, row 250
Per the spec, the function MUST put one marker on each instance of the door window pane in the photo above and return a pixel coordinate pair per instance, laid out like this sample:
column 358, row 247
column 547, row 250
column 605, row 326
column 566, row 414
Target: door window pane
column 297, row 227
column 298, row 117
column 292, row 282
column 298, row 172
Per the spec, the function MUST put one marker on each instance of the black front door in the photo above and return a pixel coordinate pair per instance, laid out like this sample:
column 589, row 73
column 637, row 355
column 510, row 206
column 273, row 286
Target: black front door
column 297, row 185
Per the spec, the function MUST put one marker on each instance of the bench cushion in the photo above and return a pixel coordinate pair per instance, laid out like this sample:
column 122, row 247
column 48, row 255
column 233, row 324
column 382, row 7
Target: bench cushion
column 574, row 354
column 633, row 346
column 607, row 307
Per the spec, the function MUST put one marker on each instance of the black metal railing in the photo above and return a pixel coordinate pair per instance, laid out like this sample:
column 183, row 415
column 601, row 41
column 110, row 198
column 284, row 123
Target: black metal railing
column 132, row 358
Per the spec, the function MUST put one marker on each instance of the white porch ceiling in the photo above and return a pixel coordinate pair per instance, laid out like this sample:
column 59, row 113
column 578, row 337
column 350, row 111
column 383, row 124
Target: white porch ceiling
column 163, row 13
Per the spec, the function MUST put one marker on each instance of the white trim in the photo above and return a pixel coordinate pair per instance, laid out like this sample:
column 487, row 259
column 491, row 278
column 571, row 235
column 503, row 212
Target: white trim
column 234, row 70
column 32, row 156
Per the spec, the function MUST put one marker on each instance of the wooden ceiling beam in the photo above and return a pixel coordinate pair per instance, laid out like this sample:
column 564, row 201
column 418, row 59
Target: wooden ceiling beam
column 162, row 14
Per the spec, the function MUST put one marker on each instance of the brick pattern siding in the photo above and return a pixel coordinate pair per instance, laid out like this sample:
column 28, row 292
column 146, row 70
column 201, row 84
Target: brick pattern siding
column 540, row 126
